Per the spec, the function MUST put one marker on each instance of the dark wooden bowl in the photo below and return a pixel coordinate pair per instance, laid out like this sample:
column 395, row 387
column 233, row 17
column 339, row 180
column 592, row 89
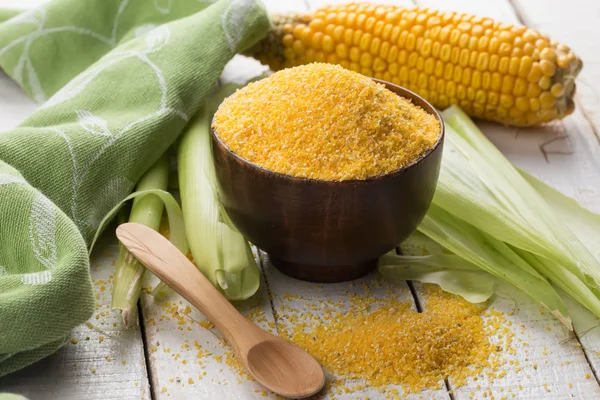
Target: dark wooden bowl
column 327, row 231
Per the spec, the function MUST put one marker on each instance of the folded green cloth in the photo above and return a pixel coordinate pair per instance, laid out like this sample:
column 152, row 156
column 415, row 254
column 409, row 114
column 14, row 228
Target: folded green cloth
column 118, row 79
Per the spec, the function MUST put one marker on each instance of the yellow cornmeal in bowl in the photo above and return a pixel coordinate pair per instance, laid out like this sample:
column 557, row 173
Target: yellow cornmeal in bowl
column 322, row 121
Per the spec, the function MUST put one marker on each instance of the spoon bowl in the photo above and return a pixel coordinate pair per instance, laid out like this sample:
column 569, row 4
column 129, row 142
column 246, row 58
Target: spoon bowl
column 275, row 363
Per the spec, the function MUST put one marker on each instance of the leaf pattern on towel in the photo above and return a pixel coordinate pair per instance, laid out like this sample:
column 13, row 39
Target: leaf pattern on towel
column 42, row 230
column 158, row 38
column 233, row 19
column 92, row 124
column 36, row 278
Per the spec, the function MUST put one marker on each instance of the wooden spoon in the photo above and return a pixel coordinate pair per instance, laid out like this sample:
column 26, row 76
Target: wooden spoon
column 277, row 364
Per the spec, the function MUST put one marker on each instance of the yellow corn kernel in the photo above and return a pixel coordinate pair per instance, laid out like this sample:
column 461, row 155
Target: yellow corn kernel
column 563, row 61
column 473, row 56
column 402, row 39
column 455, row 55
column 507, row 84
column 466, row 77
column 370, row 24
column 482, row 61
column 494, row 62
column 298, row 30
column 548, row 67
column 403, row 74
column 426, row 48
column 533, row 90
column 341, row 50
column 375, row 44
column 356, row 37
column 384, row 50
column 547, row 100
column 520, row 87
column 317, row 40
column 486, row 79
column 329, row 29
column 496, row 81
column 402, row 57
column 513, row 66
column 557, row 90
column 365, row 41
column 506, row 101
column 522, row 104
column 448, row 70
column 504, row 64
column 435, row 49
column 438, row 69
column 445, row 52
column 476, row 80
column 410, row 41
column 387, row 31
column 379, row 65
column 354, row 53
column 545, row 82
column 493, row 98
column 464, row 58
column 338, row 33
column 393, row 54
column 366, row 60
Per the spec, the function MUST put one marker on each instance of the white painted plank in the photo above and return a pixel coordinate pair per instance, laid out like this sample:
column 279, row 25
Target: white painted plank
column 542, row 366
column 188, row 357
column 574, row 23
column 103, row 361
column 295, row 300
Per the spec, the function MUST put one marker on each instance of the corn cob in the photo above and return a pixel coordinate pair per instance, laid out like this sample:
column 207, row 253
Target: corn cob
column 501, row 72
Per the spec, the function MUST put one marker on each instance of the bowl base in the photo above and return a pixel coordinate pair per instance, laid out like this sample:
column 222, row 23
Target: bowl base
column 324, row 274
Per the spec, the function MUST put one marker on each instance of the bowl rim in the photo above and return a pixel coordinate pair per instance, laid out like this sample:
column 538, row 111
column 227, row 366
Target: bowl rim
column 376, row 178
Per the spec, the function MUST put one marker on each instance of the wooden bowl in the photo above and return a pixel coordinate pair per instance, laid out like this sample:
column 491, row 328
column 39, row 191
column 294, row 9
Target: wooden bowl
column 327, row 231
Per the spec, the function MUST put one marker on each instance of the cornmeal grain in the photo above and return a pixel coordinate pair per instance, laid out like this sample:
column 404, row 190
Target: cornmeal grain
column 322, row 121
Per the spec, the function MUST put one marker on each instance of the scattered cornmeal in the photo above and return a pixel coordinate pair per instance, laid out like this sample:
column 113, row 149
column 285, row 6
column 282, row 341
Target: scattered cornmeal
column 386, row 342
column 322, row 121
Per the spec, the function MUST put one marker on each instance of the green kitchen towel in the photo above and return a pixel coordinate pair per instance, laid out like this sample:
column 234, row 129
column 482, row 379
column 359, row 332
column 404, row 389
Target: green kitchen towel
column 117, row 81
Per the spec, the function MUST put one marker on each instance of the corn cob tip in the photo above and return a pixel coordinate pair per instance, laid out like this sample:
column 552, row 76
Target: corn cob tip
column 501, row 72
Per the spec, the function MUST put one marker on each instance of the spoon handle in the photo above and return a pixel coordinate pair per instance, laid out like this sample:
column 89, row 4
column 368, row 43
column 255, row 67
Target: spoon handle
column 173, row 268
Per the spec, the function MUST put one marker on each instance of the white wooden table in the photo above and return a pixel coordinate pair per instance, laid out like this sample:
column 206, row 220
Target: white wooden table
column 175, row 353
